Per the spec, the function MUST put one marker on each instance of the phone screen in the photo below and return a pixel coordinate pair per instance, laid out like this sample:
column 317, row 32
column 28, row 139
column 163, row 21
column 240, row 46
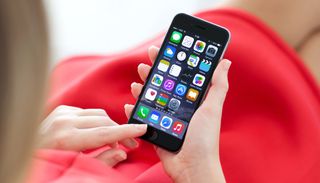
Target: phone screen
column 178, row 80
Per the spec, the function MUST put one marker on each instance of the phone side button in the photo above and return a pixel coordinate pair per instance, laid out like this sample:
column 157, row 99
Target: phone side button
column 153, row 136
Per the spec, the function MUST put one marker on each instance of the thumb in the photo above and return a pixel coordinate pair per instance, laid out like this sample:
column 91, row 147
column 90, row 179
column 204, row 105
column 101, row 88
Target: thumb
column 216, row 95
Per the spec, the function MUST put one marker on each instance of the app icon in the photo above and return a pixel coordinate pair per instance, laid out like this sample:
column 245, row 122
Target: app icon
column 151, row 94
column 154, row 117
column 187, row 41
column 174, row 104
column 166, row 122
column 180, row 89
column 163, row 65
column 162, row 99
column 181, row 56
column 178, row 127
column 175, row 70
column 176, row 37
column 198, row 80
column 192, row 94
column 186, row 75
column 205, row 65
column 169, row 51
column 168, row 84
column 211, row 51
column 193, row 60
column 199, row 46
column 157, row 80
column 143, row 112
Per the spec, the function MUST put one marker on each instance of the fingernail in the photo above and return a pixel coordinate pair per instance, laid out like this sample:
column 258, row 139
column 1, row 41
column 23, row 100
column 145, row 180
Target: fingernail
column 141, row 127
column 132, row 84
column 141, row 65
column 121, row 157
column 133, row 143
column 227, row 64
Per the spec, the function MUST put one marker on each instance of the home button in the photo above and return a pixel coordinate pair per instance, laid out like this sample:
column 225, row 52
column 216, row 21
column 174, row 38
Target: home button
column 153, row 135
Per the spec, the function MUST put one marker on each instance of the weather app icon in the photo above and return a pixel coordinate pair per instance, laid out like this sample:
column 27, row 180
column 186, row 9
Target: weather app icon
column 169, row 51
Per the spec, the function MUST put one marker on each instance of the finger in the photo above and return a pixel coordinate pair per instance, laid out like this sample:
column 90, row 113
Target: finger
column 136, row 89
column 218, row 89
column 111, row 157
column 83, row 122
column 96, row 137
column 92, row 112
column 153, row 53
column 143, row 71
column 128, row 109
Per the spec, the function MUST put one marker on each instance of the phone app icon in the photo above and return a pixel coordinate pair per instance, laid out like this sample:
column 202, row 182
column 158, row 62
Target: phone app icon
column 187, row 41
column 199, row 46
column 163, row 99
column 176, row 37
column 151, row 94
column 181, row 56
column 175, row 70
column 211, row 51
column 154, row 117
column 174, row 104
column 163, row 65
column 178, row 127
column 157, row 80
column 180, row 89
column 193, row 60
column 169, row 51
column 143, row 112
column 168, row 84
column 166, row 122
column 205, row 65
column 192, row 94
column 198, row 80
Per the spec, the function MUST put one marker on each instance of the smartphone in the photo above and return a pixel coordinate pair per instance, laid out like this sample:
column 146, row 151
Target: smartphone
column 179, row 79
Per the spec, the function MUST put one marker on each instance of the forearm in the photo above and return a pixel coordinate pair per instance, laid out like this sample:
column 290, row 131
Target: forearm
column 210, row 172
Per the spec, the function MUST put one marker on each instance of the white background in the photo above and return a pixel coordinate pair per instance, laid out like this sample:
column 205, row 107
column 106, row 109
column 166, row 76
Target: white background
column 108, row 26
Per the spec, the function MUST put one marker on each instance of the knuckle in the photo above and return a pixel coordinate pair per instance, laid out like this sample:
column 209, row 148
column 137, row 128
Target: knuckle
column 60, row 122
column 61, row 139
column 103, row 132
column 101, row 111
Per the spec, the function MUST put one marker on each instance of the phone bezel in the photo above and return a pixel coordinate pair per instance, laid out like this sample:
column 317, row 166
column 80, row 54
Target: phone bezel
column 209, row 30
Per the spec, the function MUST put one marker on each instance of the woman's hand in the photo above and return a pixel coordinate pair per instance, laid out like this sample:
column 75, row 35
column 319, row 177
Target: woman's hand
column 198, row 159
column 76, row 129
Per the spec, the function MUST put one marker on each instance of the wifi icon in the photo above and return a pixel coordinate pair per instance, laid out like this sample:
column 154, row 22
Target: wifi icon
column 205, row 65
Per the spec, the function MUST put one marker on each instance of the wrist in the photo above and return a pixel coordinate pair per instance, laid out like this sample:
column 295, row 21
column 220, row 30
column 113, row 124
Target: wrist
column 209, row 171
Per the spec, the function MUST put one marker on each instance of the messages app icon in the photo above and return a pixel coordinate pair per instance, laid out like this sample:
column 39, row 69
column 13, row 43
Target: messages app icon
column 176, row 37
column 169, row 51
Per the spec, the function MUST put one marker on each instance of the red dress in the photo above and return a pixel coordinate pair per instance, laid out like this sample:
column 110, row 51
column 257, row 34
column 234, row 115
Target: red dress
column 271, row 119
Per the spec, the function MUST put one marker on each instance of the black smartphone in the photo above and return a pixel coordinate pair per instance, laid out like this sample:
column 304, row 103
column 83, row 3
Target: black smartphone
column 179, row 79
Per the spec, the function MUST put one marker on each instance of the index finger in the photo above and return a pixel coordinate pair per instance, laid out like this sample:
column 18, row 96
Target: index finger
column 104, row 135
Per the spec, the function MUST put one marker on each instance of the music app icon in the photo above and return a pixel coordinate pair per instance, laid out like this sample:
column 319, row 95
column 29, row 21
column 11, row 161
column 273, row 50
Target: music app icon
column 178, row 127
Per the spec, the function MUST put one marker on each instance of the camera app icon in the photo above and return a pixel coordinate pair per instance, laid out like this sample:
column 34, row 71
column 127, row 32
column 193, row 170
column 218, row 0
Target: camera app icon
column 211, row 51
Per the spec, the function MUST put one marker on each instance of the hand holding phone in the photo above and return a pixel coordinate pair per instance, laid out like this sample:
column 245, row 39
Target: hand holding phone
column 179, row 79
column 199, row 155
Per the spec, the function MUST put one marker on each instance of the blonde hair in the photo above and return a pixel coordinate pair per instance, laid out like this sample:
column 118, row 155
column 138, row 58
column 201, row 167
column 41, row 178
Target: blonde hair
column 23, row 55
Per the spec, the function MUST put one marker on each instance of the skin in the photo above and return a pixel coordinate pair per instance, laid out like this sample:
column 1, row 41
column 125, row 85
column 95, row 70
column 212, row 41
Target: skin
column 297, row 23
column 71, row 128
